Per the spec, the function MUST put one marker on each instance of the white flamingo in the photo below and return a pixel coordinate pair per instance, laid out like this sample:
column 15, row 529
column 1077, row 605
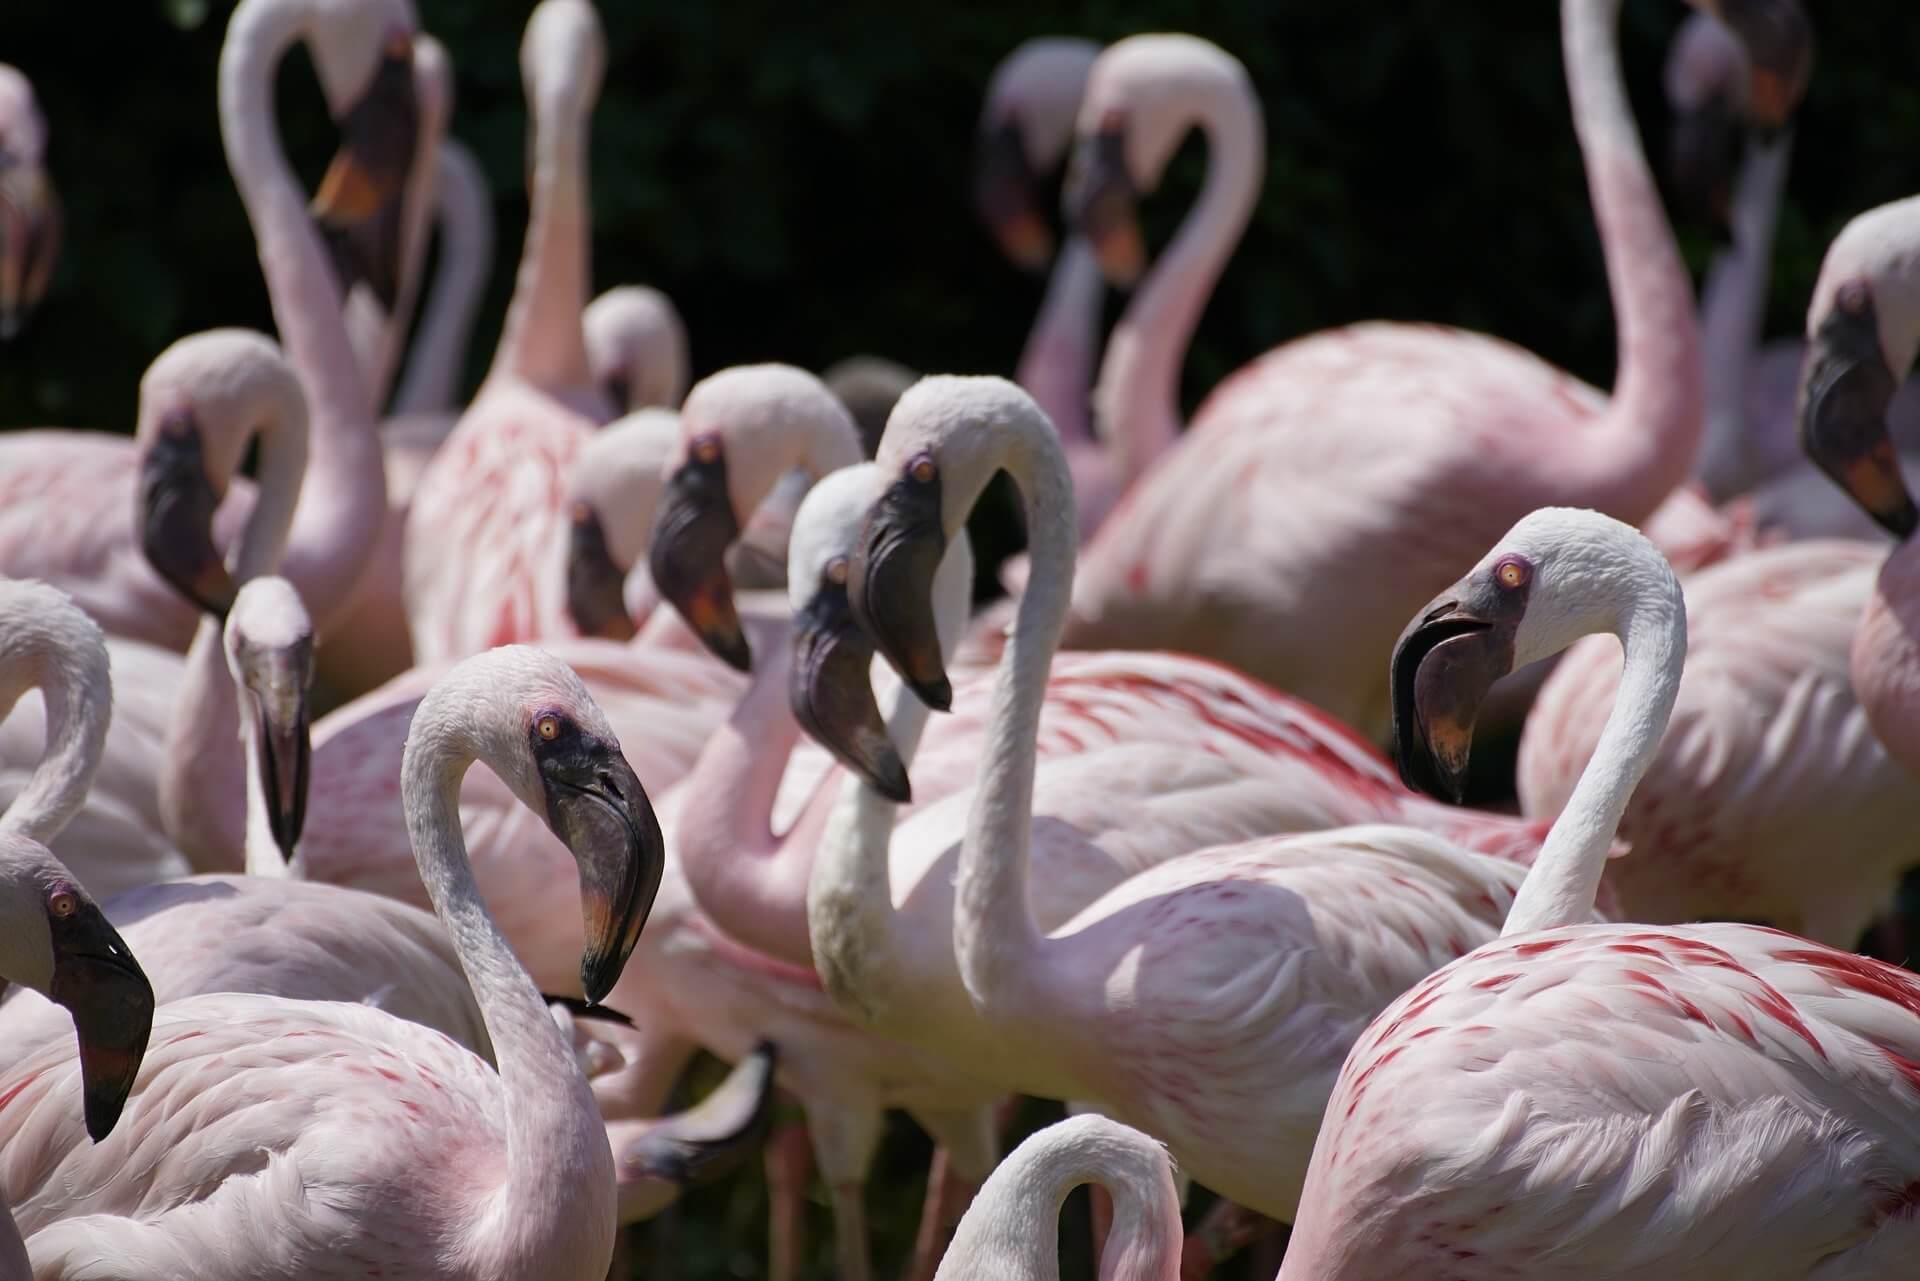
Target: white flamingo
column 1609, row 1101
column 386, row 1145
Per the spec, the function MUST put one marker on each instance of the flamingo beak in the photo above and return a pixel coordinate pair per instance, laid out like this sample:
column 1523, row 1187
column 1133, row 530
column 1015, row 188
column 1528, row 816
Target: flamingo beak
column 358, row 206
column 1845, row 388
column 691, row 535
column 96, row 978
column 596, row 806
column 1101, row 203
column 174, row 514
column 832, row 693
column 1442, row 668
column 285, row 746
column 596, row 599
column 715, row 1136
column 29, row 241
column 890, row 585
column 1006, row 195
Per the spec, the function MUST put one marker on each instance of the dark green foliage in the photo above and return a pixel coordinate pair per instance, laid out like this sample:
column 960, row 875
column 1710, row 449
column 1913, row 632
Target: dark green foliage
column 795, row 176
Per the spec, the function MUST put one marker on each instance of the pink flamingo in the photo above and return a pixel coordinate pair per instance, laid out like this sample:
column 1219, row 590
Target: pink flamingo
column 1376, row 444
column 487, row 516
column 1181, row 994
column 1609, row 1100
column 361, row 1107
column 29, row 208
column 1011, row 1232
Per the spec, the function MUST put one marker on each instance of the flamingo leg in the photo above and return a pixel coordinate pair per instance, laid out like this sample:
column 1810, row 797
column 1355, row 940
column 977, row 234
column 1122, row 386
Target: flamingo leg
column 789, row 1162
column 844, row 1140
column 966, row 1147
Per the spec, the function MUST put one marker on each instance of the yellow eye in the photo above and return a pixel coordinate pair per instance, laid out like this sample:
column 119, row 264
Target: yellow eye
column 548, row 727
column 705, row 449
column 63, row 903
column 1511, row 574
column 837, row 571
column 922, row 468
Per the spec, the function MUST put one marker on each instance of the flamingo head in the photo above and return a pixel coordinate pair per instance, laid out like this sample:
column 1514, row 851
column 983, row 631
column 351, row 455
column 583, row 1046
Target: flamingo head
column 1779, row 46
column 636, row 347
column 1863, row 331
column 358, row 205
column 712, row 1138
column 57, row 941
column 1558, row 574
column 1144, row 95
column 614, row 493
column 741, row 430
column 831, row 689
column 269, row 644
column 1024, row 130
column 1707, row 81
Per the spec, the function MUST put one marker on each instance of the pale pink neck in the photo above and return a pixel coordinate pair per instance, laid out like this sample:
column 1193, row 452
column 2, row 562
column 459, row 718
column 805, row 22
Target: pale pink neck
column 1056, row 366
column 752, row 883
column 1137, row 400
column 434, row 366
column 1652, row 428
column 996, row 940
column 554, row 1135
column 542, row 342
column 345, row 495
column 202, row 801
column 1733, row 305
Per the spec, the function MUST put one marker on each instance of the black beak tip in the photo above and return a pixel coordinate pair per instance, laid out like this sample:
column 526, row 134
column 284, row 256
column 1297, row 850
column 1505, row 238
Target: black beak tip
column 735, row 653
column 891, row 781
column 935, row 692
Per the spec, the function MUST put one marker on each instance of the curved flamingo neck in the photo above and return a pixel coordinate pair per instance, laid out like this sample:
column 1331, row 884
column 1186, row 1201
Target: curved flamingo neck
column 554, row 1135
column 204, row 813
column 1650, row 618
column 432, row 377
column 995, row 939
column 1654, row 421
column 1056, row 366
column 1012, row 1230
column 345, row 493
column 1136, row 403
column 542, row 341
column 746, row 879
column 1733, row 306
column 71, row 672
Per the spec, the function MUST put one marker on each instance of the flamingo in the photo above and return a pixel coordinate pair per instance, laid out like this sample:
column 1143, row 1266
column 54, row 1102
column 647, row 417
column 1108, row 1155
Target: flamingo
column 29, row 207
column 397, row 1149
column 463, row 218
column 868, row 386
column 1011, row 1232
column 263, row 932
column 1698, row 1101
column 1178, row 995
column 487, row 515
column 1339, row 449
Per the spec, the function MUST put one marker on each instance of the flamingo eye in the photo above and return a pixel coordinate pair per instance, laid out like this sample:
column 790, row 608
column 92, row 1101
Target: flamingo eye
column 1511, row 574
column 548, row 727
column 922, row 468
column 836, row 571
column 705, row 448
column 63, row 903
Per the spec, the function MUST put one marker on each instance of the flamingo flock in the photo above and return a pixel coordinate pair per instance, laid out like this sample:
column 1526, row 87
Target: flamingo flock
column 1172, row 836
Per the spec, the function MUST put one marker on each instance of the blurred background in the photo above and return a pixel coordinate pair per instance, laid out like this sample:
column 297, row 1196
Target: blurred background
column 796, row 179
